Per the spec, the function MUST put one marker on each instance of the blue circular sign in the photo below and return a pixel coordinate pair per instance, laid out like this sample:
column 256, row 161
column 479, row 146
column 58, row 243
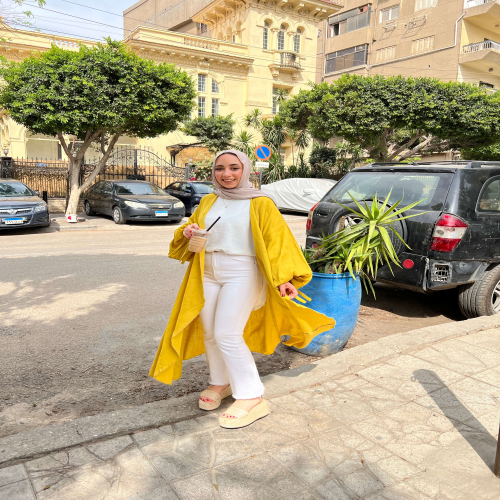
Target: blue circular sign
column 263, row 152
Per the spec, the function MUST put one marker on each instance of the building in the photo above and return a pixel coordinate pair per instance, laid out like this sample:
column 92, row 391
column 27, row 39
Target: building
column 457, row 40
column 240, row 53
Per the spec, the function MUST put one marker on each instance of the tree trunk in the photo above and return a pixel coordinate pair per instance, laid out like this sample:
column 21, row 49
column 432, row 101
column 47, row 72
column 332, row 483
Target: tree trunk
column 74, row 186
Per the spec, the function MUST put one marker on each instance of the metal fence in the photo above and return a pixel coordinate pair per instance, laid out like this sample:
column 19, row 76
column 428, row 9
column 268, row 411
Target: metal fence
column 128, row 163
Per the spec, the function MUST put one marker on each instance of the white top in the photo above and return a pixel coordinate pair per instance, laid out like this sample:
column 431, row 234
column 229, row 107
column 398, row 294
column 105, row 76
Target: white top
column 233, row 233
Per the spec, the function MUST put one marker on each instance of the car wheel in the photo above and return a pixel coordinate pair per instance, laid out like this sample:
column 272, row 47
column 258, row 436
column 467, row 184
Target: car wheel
column 194, row 208
column 481, row 298
column 88, row 208
column 118, row 216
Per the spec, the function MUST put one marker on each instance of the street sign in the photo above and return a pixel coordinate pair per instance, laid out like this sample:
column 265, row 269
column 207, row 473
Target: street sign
column 263, row 152
column 261, row 164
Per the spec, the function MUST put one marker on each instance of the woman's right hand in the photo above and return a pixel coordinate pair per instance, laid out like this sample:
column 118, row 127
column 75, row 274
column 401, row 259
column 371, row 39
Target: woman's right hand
column 188, row 230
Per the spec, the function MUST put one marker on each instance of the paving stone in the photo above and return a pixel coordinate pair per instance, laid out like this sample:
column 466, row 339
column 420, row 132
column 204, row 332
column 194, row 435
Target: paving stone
column 20, row 490
column 108, row 449
column 163, row 493
column 361, row 483
column 333, row 489
column 302, row 459
column 196, row 447
column 12, row 474
column 232, row 444
column 173, row 467
column 198, row 487
column 155, row 443
column 196, row 425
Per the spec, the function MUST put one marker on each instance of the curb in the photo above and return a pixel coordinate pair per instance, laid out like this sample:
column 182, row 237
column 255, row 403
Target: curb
column 37, row 442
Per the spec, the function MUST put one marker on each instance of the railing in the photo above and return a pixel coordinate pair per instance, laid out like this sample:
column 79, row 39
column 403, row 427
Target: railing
column 289, row 60
column 474, row 3
column 65, row 44
column 476, row 47
column 202, row 44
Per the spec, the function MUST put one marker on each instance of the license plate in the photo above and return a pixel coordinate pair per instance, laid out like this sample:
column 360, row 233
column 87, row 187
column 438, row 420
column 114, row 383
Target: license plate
column 14, row 220
column 161, row 213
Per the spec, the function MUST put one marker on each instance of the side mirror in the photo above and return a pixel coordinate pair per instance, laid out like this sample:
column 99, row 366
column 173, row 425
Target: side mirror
column 37, row 192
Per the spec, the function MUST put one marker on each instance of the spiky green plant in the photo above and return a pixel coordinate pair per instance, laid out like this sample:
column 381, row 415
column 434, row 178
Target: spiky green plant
column 362, row 248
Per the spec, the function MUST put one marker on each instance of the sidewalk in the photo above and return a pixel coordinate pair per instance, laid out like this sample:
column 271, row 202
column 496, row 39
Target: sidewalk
column 410, row 416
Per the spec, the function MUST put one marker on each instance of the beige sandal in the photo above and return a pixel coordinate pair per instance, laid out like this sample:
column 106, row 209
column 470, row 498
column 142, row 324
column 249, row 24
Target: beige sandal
column 242, row 417
column 215, row 397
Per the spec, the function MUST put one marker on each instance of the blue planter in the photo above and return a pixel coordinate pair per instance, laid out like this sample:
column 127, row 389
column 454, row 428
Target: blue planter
column 339, row 297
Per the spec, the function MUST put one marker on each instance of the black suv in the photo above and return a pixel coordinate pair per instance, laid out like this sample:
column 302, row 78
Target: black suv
column 454, row 239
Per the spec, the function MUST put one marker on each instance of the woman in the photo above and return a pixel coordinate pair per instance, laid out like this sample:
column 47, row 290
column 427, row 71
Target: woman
column 235, row 297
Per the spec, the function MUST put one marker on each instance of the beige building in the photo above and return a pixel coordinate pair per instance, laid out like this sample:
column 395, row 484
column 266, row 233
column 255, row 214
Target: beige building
column 238, row 52
column 457, row 40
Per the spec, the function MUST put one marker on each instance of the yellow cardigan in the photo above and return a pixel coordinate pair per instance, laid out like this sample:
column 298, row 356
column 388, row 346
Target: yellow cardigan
column 280, row 259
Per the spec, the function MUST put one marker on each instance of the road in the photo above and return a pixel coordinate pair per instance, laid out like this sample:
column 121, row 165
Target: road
column 82, row 313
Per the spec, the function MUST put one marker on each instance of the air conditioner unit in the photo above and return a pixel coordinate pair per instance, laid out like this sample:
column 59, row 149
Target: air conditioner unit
column 390, row 26
column 416, row 21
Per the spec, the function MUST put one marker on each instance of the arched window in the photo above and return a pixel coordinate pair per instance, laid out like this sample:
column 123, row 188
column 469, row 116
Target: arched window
column 215, row 87
column 296, row 41
column 281, row 37
column 265, row 36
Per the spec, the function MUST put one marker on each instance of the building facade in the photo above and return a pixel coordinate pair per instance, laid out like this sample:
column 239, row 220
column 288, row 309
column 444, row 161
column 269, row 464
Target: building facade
column 240, row 53
column 453, row 40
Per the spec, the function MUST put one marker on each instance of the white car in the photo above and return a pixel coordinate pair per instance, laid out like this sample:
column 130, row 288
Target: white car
column 298, row 195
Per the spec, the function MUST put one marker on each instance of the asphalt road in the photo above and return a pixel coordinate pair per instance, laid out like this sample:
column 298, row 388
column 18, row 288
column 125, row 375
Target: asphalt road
column 82, row 313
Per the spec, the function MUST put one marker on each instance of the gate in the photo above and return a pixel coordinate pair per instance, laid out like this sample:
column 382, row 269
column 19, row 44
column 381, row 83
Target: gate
column 138, row 164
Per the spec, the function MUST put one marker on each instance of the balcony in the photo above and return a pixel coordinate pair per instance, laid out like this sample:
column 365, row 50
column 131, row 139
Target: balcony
column 285, row 62
column 483, row 13
column 482, row 56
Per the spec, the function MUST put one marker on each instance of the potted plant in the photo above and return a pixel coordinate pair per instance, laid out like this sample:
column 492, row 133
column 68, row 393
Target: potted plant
column 346, row 259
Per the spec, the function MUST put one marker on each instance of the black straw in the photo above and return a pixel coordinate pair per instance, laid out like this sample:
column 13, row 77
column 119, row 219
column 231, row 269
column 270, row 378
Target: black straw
column 213, row 224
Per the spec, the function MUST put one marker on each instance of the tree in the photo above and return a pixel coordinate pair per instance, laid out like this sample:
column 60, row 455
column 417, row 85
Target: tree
column 95, row 95
column 213, row 132
column 10, row 14
column 485, row 153
column 395, row 118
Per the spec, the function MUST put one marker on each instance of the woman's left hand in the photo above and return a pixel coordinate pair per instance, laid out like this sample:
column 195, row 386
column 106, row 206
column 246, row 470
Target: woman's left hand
column 288, row 289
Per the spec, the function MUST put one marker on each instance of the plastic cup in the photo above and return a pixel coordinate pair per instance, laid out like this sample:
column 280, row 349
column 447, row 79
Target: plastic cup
column 198, row 240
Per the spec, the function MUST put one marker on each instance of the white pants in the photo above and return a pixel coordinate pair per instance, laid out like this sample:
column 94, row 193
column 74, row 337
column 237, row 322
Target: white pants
column 232, row 287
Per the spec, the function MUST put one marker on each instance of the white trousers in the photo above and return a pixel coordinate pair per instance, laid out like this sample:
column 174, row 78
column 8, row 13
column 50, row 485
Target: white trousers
column 232, row 287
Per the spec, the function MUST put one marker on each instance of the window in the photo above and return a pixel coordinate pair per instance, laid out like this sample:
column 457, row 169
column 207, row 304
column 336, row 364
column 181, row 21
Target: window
column 201, row 28
column 386, row 54
column 490, row 197
column 202, row 83
column 487, row 85
column 351, row 20
column 234, row 38
column 276, row 100
column 201, row 107
column 347, row 58
column 281, row 37
column 422, row 45
column 424, row 4
column 282, row 155
column 215, row 107
column 389, row 14
column 215, row 87
column 296, row 41
column 265, row 36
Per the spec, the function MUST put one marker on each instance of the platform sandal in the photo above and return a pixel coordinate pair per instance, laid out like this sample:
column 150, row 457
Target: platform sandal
column 215, row 397
column 243, row 418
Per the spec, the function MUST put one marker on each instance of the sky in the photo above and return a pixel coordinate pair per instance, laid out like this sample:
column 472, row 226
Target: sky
column 56, row 17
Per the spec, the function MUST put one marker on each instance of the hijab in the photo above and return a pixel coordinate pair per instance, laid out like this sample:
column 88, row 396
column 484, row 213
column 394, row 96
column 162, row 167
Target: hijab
column 244, row 190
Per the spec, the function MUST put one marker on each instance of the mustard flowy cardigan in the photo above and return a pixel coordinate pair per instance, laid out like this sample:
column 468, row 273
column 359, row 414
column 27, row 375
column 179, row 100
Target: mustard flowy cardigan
column 280, row 259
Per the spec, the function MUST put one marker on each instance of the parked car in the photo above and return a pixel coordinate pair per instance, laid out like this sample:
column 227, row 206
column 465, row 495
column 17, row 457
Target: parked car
column 128, row 200
column 298, row 195
column 190, row 192
column 21, row 207
column 455, row 238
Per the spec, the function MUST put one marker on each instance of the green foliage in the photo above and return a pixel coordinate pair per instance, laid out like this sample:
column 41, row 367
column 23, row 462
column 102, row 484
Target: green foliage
column 104, row 88
column 485, row 153
column 244, row 142
column 395, row 117
column 364, row 245
column 213, row 132
column 203, row 169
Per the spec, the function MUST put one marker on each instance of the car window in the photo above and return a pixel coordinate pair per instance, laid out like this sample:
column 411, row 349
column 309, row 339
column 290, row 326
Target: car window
column 203, row 188
column 174, row 186
column 408, row 186
column 97, row 186
column 11, row 189
column 138, row 188
column 106, row 187
column 489, row 200
column 184, row 187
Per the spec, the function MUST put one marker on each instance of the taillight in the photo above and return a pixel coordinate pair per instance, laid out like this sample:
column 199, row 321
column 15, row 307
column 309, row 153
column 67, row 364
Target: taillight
column 310, row 217
column 447, row 234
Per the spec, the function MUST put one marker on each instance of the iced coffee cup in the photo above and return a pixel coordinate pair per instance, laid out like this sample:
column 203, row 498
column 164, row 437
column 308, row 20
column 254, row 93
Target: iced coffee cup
column 198, row 240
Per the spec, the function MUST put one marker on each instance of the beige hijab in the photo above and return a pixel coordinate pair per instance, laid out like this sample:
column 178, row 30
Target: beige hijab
column 245, row 190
